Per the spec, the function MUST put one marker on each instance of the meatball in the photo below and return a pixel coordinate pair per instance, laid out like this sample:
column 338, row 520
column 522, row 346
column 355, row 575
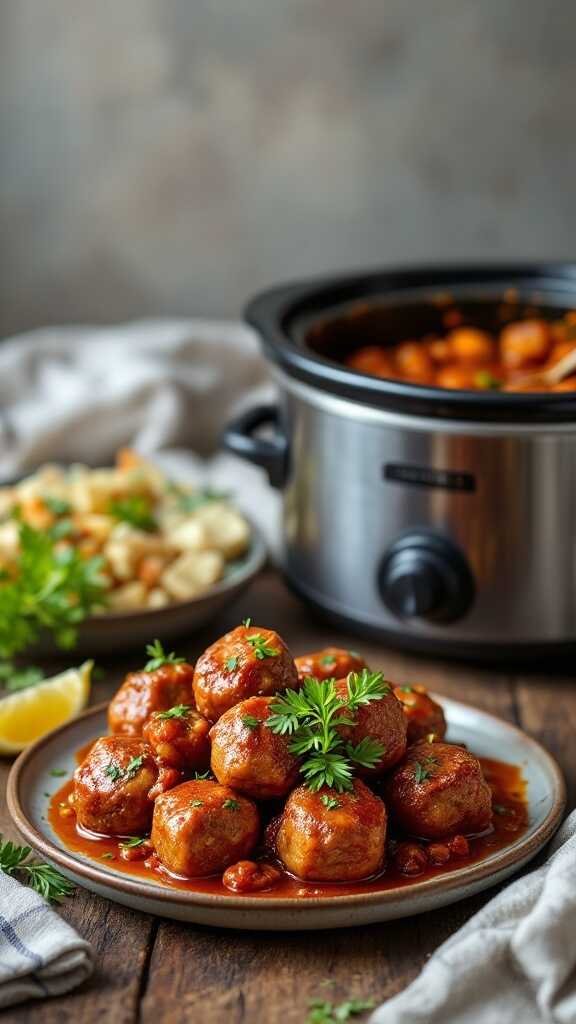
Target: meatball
column 525, row 342
column 382, row 720
column 425, row 716
column 142, row 693
column 413, row 361
column 248, row 661
column 439, row 790
column 332, row 837
column 330, row 663
column 201, row 827
column 112, row 787
column 471, row 346
column 249, row 756
column 179, row 737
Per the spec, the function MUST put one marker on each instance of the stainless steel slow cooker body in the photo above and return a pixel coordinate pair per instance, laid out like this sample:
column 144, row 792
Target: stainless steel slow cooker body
column 438, row 520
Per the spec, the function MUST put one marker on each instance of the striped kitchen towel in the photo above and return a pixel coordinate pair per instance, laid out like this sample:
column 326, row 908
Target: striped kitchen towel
column 40, row 955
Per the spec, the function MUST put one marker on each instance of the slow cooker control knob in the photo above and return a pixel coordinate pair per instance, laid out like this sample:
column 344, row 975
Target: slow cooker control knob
column 425, row 576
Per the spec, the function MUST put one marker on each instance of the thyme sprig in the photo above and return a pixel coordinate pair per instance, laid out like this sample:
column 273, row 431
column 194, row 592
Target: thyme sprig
column 158, row 657
column 14, row 861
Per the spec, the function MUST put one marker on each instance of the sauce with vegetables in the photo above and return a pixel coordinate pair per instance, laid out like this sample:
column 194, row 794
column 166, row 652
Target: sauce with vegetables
column 468, row 358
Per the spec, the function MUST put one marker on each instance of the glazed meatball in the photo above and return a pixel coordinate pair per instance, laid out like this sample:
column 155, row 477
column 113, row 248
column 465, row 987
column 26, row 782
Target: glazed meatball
column 142, row 693
column 382, row 720
column 112, row 787
column 425, row 716
column 332, row 837
column 525, row 343
column 248, row 661
column 201, row 827
column 438, row 791
column 330, row 663
column 179, row 737
column 248, row 756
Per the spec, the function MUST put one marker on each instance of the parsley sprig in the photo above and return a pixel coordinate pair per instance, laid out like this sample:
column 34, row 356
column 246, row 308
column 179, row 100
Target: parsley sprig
column 178, row 711
column 115, row 771
column 134, row 509
column 52, row 590
column 261, row 648
column 423, row 769
column 158, row 657
column 14, row 861
column 313, row 717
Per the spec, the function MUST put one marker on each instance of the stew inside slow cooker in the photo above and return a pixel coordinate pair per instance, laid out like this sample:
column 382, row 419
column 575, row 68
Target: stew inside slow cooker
column 459, row 347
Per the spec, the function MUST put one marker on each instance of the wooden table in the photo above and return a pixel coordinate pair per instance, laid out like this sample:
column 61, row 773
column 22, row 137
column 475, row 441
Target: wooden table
column 162, row 972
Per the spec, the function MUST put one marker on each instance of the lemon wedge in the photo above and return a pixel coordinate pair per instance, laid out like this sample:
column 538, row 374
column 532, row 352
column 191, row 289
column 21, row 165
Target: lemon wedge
column 31, row 713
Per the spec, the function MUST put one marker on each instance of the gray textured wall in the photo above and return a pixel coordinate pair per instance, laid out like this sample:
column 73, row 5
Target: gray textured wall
column 172, row 156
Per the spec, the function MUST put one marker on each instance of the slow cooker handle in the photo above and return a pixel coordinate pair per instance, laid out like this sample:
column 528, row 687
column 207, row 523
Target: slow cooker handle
column 271, row 453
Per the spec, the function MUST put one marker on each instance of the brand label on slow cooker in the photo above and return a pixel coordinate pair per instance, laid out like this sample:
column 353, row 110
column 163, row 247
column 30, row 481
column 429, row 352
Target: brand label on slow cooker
column 424, row 476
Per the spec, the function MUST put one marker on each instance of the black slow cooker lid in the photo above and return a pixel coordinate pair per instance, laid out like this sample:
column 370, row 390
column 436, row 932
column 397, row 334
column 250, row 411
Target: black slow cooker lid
column 295, row 320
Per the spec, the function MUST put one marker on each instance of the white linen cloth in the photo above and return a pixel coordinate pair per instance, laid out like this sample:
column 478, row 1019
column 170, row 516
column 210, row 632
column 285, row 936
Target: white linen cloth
column 80, row 393
column 514, row 962
column 40, row 955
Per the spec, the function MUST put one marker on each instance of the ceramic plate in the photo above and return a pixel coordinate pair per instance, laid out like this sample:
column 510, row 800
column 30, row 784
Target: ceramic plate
column 115, row 631
column 485, row 735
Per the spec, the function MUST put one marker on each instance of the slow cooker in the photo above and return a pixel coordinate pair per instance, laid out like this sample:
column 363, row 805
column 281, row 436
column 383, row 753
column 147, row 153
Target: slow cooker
column 438, row 520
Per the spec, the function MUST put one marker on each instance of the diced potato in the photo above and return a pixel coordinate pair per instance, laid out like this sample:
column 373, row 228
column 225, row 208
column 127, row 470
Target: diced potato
column 226, row 529
column 98, row 525
column 157, row 598
column 190, row 535
column 127, row 547
column 192, row 573
column 129, row 596
column 8, row 541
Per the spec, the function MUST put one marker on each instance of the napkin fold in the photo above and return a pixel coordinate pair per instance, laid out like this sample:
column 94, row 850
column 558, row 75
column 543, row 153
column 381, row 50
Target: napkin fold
column 40, row 955
column 514, row 962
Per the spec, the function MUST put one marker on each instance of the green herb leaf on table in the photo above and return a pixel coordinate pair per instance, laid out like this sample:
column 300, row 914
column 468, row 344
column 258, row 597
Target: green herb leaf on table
column 158, row 657
column 53, row 590
column 136, row 510
column 178, row 711
column 14, row 861
column 324, row 1012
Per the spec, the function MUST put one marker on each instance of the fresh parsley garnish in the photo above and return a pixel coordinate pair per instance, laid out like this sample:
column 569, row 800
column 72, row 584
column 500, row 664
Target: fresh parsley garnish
column 19, row 678
column 250, row 721
column 201, row 776
column 323, row 1012
column 261, row 648
column 52, row 591
column 191, row 501
column 405, row 689
column 107, row 856
column 158, row 657
column 246, row 623
column 328, row 661
column 41, row 877
column 132, row 842
column 57, row 773
column 134, row 509
column 230, row 804
column 312, row 717
column 232, row 664
column 57, row 506
column 487, row 381
column 63, row 528
column 115, row 771
column 178, row 711
column 329, row 802
column 423, row 769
